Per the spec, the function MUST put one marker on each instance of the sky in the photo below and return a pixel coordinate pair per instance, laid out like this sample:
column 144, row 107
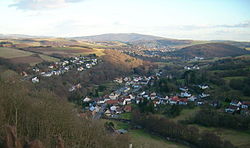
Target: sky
column 180, row 19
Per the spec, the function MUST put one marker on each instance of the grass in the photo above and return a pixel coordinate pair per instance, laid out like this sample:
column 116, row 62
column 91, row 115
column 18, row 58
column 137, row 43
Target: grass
column 238, row 138
column 13, row 53
column 117, row 124
column 48, row 58
column 230, row 78
column 186, row 113
column 141, row 139
column 126, row 116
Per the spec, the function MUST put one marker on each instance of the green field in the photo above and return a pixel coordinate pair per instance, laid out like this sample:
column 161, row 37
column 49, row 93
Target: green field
column 141, row 139
column 13, row 53
column 238, row 138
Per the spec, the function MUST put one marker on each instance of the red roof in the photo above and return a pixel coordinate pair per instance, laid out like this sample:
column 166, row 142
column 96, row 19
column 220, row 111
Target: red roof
column 175, row 98
column 112, row 102
column 183, row 100
column 246, row 103
column 128, row 108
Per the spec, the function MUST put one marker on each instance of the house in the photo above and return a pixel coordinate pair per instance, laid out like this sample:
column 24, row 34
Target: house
column 183, row 101
column 73, row 88
column 232, row 109
column 80, row 69
column 200, row 102
column 174, row 100
column 36, row 69
column 153, row 96
column 203, row 95
column 47, row 74
column 113, row 96
column 51, row 66
column 184, row 89
column 35, row 80
column 24, row 74
column 108, row 113
column 245, row 104
column 118, row 80
column 235, row 103
column 92, row 108
column 87, row 99
column 185, row 94
column 113, row 108
column 112, row 102
column 187, row 68
column 192, row 98
column 88, row 66
column 128, row 108
column 119, row 110
column 203, row 86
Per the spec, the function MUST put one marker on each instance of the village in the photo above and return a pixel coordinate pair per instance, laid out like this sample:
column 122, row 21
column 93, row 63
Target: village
column 120, row 102
column 78, row 64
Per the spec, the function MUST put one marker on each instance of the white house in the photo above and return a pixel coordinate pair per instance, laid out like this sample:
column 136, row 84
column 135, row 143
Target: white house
column 35, row 80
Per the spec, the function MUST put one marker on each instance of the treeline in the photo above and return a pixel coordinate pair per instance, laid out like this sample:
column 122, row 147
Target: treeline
column 40, row 114
column 210, row 117
column 166, row 128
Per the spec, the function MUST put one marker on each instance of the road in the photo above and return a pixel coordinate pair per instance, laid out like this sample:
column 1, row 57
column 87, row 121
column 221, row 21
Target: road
column 99, row 114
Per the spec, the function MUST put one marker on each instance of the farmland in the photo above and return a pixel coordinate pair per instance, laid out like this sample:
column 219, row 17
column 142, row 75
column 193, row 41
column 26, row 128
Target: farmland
column 13, row 53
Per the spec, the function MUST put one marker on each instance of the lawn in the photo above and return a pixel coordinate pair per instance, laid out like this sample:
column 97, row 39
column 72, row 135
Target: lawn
column 238, row 138
column 13, row 53
column 141, row 139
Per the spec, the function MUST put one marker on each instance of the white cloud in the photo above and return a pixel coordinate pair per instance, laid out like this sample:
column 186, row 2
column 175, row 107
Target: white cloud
column 41, row 4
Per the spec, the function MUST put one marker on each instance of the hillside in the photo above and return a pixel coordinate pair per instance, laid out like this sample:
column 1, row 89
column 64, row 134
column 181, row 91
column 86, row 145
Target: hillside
column 210, row 50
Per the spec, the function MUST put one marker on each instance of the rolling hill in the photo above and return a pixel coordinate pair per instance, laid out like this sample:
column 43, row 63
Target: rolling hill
column 210, row 50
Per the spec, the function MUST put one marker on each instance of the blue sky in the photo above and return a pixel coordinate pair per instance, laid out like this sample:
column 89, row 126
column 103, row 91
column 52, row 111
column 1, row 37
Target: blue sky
column 182, row 19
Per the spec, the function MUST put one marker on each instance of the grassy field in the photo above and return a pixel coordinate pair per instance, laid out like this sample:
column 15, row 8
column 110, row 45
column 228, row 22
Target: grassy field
column 141, row 139
column 238, row 138
column 98, row 52
column 186, row 113
column 13, row 53
column 48, row 58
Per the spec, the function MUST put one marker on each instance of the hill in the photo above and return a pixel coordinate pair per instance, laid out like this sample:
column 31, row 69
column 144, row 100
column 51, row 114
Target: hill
column 210, row 50
column 121, row 37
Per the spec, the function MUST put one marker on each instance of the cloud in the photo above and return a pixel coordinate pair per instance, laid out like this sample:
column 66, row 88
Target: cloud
column 41, row 4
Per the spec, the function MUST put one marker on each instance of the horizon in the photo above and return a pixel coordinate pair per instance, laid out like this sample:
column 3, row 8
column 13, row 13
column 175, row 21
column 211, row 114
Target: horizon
column 41, row 37
column 189, row 20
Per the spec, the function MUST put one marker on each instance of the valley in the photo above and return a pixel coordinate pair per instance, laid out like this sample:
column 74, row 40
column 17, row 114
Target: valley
column 139, row 86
